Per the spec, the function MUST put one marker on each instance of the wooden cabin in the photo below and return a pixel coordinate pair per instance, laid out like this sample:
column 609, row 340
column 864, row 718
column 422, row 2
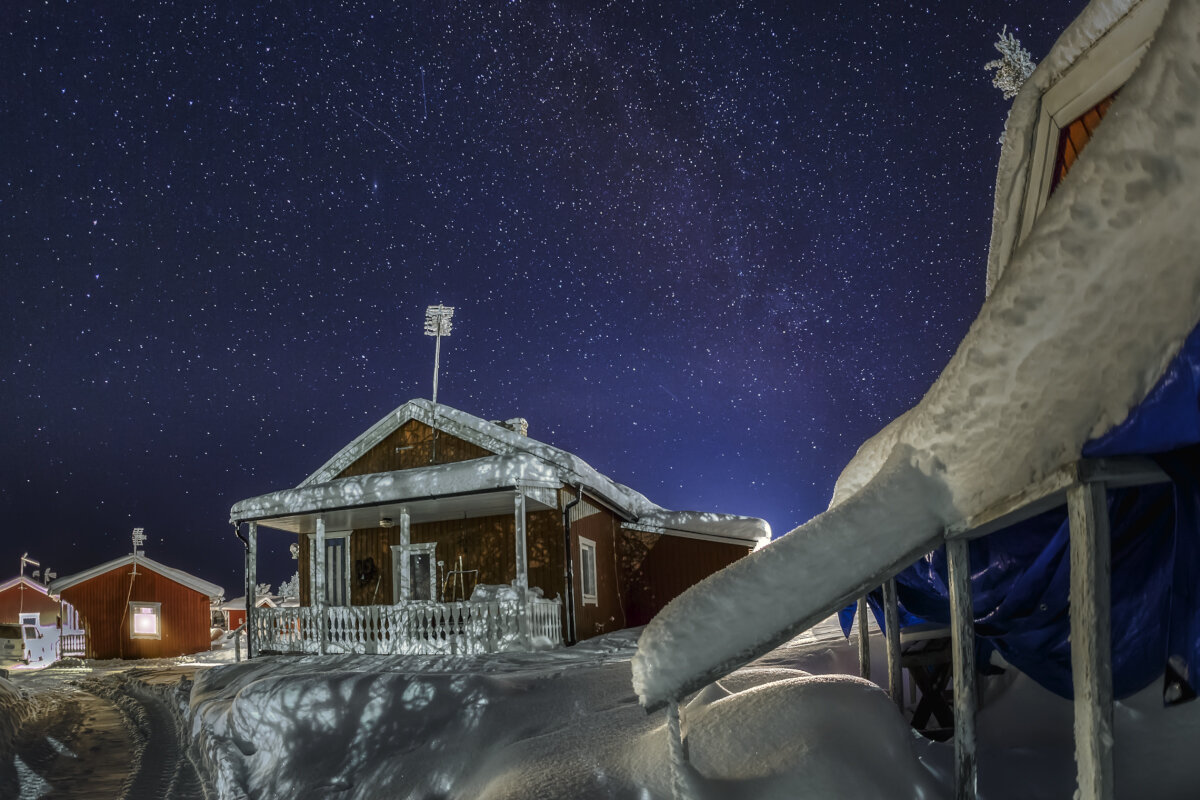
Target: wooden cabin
column 233, row 612
column 439, row 531
column 135, row 607
column 23, row 600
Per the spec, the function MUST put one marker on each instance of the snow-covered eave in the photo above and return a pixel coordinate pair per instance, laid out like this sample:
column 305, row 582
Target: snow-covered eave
column 179, row 576
column 705, row 525
column 488, row 474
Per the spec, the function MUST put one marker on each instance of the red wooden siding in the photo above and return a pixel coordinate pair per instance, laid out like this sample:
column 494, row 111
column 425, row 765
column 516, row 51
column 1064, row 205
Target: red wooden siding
column 414, row 444
column 486, row 544
column 22, row 599
column 656, row 568
column 609, row 613
column 103, row 605
column 1073, row 138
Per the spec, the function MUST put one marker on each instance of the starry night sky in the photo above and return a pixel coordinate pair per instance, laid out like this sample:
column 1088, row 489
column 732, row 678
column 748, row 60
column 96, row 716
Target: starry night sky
column 709, row 247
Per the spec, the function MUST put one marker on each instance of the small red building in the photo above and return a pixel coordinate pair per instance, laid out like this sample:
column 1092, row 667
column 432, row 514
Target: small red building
column 21, row 597
column 134, row 607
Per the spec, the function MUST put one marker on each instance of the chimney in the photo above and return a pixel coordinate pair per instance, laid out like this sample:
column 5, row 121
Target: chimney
column 518, row 425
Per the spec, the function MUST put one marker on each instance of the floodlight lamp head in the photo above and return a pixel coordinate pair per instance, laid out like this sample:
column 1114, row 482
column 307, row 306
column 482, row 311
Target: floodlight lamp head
column 437, row 320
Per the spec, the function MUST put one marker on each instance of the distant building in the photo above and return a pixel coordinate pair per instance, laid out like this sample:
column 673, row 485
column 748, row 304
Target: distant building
column 438, row 531
column 135, row 607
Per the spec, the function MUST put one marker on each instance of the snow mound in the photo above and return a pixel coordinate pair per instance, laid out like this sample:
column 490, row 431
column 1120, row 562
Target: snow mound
column 1083, row 321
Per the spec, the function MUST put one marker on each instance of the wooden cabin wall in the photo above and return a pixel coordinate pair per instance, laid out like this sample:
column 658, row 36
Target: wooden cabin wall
column 655, row 568
column 609, row 613
column 103, row 603
column 485, row 543
column 414, row 444
column 24, row 599
column 544, row 551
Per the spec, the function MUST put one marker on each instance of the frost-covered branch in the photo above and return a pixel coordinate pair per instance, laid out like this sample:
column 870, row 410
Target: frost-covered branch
column 1013, row 67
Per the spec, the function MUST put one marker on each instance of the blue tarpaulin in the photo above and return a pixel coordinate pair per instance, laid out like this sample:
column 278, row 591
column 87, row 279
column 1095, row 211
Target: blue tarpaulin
column 1020, row 576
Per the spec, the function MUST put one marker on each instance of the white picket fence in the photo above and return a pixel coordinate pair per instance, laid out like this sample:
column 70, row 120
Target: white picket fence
column 73, row 643
column 422, row 628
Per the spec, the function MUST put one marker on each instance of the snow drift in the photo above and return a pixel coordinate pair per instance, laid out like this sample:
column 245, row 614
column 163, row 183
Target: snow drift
column 1080, row 324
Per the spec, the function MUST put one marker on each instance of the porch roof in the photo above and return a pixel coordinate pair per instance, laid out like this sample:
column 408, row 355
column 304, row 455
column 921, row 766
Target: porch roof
column 476, row 488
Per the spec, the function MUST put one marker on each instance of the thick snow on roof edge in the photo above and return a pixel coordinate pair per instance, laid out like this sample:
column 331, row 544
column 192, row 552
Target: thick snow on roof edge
column 1083, row 321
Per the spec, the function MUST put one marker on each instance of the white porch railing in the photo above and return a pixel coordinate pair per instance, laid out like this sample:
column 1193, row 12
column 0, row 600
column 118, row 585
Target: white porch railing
column 73, row 643
column 422, row 628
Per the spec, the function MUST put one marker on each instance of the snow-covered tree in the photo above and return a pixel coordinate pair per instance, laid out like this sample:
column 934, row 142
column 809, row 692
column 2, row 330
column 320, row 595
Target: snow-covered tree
column 262, row 589
column 290, row 587
column 1013, row 67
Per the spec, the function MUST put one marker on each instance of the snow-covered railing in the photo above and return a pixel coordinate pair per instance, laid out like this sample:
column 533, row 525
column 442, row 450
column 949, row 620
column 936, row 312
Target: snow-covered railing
column 422, row 628
column 73, row 643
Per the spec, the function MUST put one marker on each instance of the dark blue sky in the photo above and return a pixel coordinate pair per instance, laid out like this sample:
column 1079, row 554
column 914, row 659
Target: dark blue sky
column 709, row 247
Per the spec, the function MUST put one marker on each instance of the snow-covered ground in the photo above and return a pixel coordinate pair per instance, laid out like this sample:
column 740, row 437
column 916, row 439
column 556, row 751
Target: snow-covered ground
column 558, row 724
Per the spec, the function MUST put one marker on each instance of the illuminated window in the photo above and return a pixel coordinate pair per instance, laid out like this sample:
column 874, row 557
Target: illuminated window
column 145, row 620
column 587, row 571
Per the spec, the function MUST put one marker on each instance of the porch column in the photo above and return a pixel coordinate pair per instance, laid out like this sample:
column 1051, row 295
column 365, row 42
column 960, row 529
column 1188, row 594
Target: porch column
column 318, row 583
column 522, row 579
column 891, row 624
column 400, row 571
column 1091, row 639
column 251, row 588
column 962, row 641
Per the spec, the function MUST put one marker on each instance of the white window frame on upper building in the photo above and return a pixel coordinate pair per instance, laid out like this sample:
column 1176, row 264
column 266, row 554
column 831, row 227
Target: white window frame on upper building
column 587, row 573
column 157, row 608
column 1097, row 73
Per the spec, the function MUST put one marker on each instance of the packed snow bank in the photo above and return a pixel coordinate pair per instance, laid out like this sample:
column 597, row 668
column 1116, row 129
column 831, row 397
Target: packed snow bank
column 1085, row 318
column 551, row 725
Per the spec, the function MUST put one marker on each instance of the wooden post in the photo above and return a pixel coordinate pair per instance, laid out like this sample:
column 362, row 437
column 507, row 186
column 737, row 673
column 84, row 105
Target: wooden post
column 402, row 591
column 1091, row 640
column 891, row 624
column 251, row 587
column 522, row 579
column 962, row 635
column 864, row 641
column 318, row 583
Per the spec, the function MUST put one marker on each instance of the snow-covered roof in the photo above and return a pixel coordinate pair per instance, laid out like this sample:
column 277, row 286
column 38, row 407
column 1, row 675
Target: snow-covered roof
column 177, row 575
column 21, row 579
column 239, row 603
column 519, row 462
column 1090, row 310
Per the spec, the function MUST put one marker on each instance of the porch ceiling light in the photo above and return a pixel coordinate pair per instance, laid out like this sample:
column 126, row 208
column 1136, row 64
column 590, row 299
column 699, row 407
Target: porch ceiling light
column 385, row 522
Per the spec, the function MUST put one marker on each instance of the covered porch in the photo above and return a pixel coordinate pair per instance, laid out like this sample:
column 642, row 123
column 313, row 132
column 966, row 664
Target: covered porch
column 424, row 561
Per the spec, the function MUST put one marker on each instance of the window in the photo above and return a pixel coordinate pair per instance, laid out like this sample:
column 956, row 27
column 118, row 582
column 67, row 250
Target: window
column 414, row 572
column 587, row 571
column 1075, row 136
column 145, row 620
column 30, row 619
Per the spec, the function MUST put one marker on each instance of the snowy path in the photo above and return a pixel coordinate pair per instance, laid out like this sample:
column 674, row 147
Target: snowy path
column 100, row 738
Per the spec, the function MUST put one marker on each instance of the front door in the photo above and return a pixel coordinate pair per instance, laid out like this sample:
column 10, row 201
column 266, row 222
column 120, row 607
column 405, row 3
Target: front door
column 414, row 572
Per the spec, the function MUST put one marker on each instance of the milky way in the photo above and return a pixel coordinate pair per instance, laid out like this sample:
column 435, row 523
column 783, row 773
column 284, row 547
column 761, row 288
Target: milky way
column 708, row 247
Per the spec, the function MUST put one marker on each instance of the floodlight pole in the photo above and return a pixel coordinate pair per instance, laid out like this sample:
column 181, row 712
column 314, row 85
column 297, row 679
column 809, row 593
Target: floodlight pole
column 437, row 324
column 437, row 357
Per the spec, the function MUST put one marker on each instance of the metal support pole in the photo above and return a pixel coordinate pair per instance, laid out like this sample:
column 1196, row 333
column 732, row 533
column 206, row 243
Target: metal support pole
column 962, row 634
column 437, row 357
column 1091, row 639
column 864, row 641
column 251, row 588
column 891, row 624
column 318, row 584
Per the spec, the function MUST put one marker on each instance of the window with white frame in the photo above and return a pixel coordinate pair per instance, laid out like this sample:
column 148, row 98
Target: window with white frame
column 587, row 571
column 145, row 620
